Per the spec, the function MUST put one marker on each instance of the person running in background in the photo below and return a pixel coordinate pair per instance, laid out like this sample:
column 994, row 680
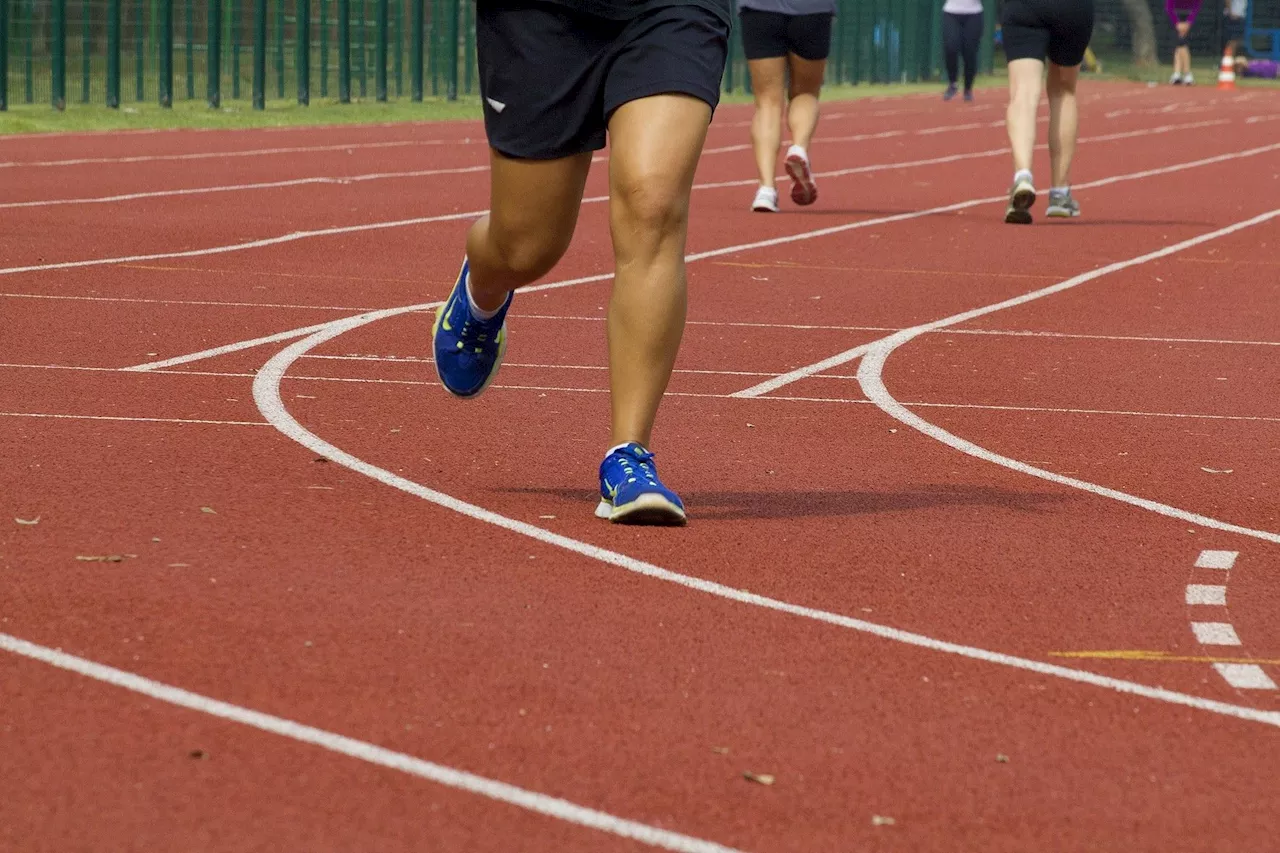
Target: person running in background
column 555, row 79
column 961, row 34
column 1034, row 30
column 786, row 43
column 1182, row 14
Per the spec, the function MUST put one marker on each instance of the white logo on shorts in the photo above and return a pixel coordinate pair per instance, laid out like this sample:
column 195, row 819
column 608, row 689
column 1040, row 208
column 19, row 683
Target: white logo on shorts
column 498, row 106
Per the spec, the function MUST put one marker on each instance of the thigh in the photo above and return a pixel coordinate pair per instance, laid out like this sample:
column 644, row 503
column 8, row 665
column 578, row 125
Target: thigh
column 809, row 36
column 952, row 30
column 654, row 146
column 806, row 75
column 764, row 34
column 534, row 203
column 1072, row 31
column 542, row 75
column 972, row 27
column 768, row 78
column 678, row 50
column 1024, row 33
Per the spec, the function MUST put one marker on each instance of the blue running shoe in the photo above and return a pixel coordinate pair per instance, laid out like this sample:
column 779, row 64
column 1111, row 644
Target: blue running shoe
column 468, row 351
column 631, row 493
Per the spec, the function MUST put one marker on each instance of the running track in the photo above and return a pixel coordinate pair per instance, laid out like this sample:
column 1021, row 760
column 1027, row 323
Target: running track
column 983, row 545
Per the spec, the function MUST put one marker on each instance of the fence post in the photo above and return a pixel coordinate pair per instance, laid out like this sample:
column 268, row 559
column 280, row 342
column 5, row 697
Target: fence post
column 380, row 55
column 59, row 55
column 113, row 54
column 213, row 55
column 236, row 35
column 415, row 53
column 4, row 55
column 399, row 51
column 139, row 57
column 86, row 51
column 303, row 60
column 344, row 51
column 279, row 48
column 166, row 53
column 455, row 14
column 259, row 54
column 362, row 10
column 324, row 48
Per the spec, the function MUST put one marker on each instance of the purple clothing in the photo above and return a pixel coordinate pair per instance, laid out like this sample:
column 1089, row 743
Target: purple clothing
column 1262, row 68
column 1190, row 8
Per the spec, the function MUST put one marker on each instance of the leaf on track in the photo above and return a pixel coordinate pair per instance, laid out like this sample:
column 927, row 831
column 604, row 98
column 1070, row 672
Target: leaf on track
column 1216, row 470
column 720, row 750
column 107, row 558
column 208, row 509
column 1002, row 758
column 758, row 778
column 27, row 521
column 882, row 820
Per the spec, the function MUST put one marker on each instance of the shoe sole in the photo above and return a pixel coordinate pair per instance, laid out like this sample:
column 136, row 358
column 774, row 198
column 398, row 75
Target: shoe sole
column 502, row 351
column 760, row 208
column 1061, row 213
column 650, row 509
column 803, row 190
column 1019, row 212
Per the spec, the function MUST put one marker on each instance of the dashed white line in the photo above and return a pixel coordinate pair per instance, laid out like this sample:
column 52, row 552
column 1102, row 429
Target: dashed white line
column 1245, row 676
column 1216, row 559
column 131, row 419
column 1206, row 594
column 1215, row 633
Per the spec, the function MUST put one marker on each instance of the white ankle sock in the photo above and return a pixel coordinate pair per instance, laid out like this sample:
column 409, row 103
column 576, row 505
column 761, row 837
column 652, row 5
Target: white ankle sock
column 1022, row 174
column 1060, row 190
column 476, row 311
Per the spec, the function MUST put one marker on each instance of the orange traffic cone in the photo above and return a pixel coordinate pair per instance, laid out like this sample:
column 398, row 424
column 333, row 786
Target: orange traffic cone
column 1227, row 71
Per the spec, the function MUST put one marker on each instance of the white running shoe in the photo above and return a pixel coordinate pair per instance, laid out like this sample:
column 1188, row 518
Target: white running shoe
column 766, row 200
column 1021, row 196
column 803, row 189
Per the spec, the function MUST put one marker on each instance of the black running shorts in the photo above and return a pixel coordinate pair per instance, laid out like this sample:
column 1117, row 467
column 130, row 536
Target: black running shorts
column 1057, row 30
column 551, row 76
column 768, row 35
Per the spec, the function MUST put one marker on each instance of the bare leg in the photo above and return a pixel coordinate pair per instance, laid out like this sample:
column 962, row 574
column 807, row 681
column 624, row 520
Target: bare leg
column 533, row 212
column 802, row 111
column 766, row 125
column 1064, row 121
column 1024, row 99
column 656, row 144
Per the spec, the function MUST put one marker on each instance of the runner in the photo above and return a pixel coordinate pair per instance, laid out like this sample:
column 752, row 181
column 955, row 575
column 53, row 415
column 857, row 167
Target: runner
column 961, row 36
column 786, row 43
column 556, row 79
column 1036, row 31
column 1182, row 14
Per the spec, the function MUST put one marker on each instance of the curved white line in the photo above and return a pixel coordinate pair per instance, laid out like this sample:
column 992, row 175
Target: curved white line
column 266, row 394
column 871, row 377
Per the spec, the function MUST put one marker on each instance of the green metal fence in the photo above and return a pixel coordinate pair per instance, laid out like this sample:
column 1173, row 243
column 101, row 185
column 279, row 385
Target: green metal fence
column 62, row 52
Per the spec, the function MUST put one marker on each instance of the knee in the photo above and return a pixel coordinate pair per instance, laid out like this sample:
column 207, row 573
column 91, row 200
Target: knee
column 647, row 209
column 529, row 256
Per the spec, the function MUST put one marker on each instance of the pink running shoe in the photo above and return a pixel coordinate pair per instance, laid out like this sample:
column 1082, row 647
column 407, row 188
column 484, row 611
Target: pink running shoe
column 803, row 189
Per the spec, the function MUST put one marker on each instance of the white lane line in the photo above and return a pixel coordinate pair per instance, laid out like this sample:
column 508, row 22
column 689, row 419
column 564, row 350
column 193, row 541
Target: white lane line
column 755, row 390
column 924, row 404
column 220, row 155
column 871, row 377
column 240, row 247
column 193, row 302
column 266, row 393
column 1217, row 559
column 130, row 419
column 263, row 185
column 378, row 176
column 225, row 348
column 861, row 350
column 1206, row 594
column 1215, row 633
column 553, row 807
column 1245, row 676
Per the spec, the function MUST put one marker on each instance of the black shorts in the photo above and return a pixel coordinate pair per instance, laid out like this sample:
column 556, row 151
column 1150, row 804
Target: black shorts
column 1057, row 30
column 768, row 35
column 551, row 76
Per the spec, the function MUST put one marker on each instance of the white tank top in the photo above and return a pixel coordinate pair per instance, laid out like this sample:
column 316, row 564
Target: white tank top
column 963, row 7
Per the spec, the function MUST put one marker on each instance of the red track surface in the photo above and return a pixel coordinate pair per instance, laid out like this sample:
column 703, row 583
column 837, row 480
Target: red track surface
column 317, row 594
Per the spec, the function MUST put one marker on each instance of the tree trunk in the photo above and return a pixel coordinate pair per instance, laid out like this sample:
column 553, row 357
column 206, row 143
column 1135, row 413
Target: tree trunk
column 1144, row 32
